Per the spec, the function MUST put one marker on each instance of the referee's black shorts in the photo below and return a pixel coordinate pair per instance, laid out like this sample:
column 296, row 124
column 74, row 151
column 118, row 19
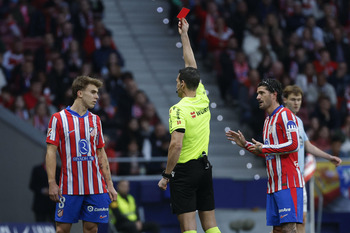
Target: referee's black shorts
column 191, row 188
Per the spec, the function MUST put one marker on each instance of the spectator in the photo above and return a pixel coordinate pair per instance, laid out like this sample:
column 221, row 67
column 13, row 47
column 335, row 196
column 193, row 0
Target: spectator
column 74, row 58
column 43, row 207
column 325, row 64
column 34, row 95
column 296, row 19
column 322, row 140
column 306, row 77
column 13, row 56
column 339, row 50
column 238, row 20
column 21, row 78
column 6, row 98
column 337, row 139
column 339, row 80
column 225, row 74
column 101, row 55
column 321, row 87
column 316, row 32
column 66, row 38
column 326, row 113
column 140, row 101
column 42, row 54
column 132, row 152
column 41, row 116
column 19, row 108
column 125, row 212
column 59, row 80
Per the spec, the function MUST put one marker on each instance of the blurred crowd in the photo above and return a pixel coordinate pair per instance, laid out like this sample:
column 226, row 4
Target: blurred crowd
column 302, row 42
column 44, row 45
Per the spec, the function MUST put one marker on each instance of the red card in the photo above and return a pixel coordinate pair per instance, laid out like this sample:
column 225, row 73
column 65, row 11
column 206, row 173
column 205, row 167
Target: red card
column 182, row 14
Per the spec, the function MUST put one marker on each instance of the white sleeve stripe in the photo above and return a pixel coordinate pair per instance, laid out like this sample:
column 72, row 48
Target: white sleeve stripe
column 53, row 129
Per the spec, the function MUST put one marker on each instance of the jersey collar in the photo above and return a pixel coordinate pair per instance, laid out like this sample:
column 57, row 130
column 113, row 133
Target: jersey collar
column 274, row 111
column 75, row 113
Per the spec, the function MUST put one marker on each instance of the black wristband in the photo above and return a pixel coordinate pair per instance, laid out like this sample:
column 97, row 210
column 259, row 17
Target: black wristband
column 166, row 176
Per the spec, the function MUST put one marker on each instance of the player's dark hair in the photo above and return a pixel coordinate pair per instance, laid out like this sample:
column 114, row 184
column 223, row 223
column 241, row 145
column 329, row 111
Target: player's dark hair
column 273, row 85
column 190, row 76
column 81, row 82
column 292, row 89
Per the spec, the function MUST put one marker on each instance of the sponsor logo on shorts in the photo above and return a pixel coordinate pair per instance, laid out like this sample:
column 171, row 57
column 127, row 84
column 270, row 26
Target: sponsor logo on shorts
column 282, row 216
column 91, row 208
column 284, row 210
column 103, row 216
column 59, row 213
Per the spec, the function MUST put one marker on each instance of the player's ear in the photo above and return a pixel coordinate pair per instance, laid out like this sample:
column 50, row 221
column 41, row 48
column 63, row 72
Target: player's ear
column 80, row 93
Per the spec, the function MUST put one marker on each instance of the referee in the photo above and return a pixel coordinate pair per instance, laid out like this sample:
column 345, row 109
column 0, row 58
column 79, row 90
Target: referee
column 188, row 170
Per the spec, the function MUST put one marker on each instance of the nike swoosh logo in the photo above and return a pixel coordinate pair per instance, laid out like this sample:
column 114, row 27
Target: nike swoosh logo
column 71, row 131
column 284, row 215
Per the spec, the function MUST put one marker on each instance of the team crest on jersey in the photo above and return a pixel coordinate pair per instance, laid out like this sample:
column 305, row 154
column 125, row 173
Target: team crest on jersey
column 59, row 213
column 93, row 131
column 193, row 114
column 291, row 126
column 49, row 131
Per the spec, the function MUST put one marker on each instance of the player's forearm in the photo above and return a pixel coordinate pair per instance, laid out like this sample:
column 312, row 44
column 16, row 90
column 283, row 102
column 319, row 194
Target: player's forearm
column 104, row 166
column 173, row 156
column 316, row 151
column 51, row 166
column 187, row 51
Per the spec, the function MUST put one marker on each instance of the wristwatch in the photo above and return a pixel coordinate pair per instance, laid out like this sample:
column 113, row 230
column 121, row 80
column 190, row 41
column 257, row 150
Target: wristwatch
column 167, row 176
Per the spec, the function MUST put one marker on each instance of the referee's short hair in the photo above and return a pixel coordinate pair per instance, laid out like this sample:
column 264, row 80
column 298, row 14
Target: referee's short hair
column 190, row 76
column 273, row 85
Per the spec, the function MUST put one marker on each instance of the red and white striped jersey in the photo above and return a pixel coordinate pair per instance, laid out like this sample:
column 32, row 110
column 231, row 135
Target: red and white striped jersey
column 77, row 138
column 281, row 145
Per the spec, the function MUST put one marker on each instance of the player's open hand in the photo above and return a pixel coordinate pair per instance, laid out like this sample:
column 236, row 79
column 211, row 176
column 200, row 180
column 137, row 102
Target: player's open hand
column 54, row 192
column 112, row 193
column 236, row 137
column 183, row 26
column 163, row 184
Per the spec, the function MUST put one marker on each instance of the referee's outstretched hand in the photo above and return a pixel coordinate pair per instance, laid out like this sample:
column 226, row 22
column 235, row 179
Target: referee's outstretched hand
column 163, row 184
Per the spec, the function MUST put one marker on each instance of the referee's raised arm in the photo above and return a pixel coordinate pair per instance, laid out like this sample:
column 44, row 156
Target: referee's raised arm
column 183, row 27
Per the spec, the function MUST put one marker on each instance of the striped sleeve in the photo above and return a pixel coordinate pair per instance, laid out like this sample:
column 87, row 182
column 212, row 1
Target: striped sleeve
column 285, row 134
column 52, row 136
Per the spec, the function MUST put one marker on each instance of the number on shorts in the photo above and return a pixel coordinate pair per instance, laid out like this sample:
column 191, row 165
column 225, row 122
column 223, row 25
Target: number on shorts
column 62, row 201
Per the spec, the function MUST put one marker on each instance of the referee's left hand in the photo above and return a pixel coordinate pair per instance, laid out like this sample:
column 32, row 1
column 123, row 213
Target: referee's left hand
column 163, row 184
